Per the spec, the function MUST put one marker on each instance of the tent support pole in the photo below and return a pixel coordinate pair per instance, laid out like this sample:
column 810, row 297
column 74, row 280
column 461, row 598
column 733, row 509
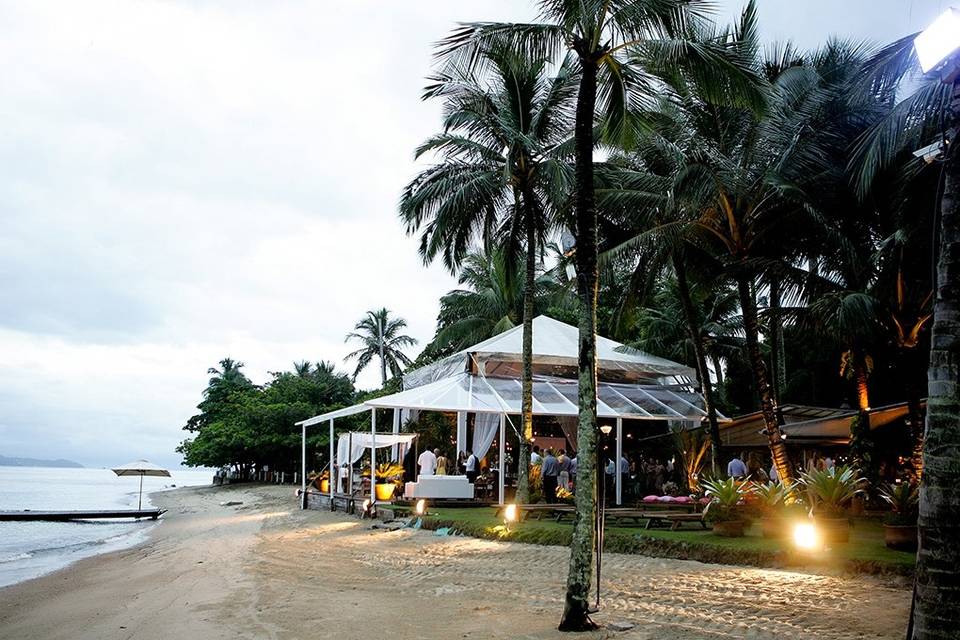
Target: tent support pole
column 373, row 456
column 334, row 480
column 461, row 433
column 303, row 466
column 619, row 476
column 350, row 458
column 503, row 455
column 395, row 449
column 140, row 499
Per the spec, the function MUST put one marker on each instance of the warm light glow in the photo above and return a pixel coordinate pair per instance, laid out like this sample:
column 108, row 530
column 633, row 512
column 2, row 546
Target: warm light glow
column 805, row 536
column 421, row 507
column 606, row 429
column 938, row 41
column 510, row 513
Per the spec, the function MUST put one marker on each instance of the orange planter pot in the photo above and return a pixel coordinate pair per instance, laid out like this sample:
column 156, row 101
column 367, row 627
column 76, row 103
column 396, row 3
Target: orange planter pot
column 325, row 486
column 385, row 491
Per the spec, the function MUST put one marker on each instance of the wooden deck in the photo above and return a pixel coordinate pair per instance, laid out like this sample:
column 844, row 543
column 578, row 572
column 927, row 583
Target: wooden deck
column 64, row 516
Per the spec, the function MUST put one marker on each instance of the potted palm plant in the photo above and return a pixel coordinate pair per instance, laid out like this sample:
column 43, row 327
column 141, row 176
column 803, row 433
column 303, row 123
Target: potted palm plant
column 321, row 481
column 388, row 477
column 900, row 525
column 726, row 511
column 772, row 499
column 830, row 492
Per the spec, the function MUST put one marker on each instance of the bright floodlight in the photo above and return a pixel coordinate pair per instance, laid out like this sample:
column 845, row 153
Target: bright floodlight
column 938, row 41
column 510, row 513
column 421, row 507
column 805, row 536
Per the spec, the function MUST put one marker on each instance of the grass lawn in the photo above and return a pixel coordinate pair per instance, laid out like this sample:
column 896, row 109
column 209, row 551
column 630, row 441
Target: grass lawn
column 865, row 553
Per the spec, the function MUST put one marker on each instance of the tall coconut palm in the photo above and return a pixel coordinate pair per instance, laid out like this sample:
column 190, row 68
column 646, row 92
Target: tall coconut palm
column 925, row 113
column 501, row 173
column 381, row 338
column 600, row 33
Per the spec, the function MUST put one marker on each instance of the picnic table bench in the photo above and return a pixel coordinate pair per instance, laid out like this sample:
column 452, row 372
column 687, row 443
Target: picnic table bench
column 540, row 508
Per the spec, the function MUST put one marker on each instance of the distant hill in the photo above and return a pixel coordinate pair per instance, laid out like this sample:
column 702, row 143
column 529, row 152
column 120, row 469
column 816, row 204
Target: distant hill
column 33, row 462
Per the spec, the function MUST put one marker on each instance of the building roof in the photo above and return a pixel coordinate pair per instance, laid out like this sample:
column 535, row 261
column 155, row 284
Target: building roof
column 806, row 425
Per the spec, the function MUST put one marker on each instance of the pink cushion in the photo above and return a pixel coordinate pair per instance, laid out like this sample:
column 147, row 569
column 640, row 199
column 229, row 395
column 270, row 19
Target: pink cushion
column 651, row 498
column 705, row 500
column 683, row 499
column 665, row 499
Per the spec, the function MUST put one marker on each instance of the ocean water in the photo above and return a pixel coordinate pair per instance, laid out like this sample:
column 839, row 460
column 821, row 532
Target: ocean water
column 31, row 549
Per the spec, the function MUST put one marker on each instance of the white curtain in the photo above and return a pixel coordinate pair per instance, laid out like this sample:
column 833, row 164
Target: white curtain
column 349, row 452
column 461, row 431
column 485, row 430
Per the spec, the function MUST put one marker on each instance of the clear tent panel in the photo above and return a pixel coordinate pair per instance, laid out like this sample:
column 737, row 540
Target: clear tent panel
column 674, row 401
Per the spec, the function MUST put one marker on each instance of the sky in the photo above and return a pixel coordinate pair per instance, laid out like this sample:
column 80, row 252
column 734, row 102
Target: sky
column 188, row 180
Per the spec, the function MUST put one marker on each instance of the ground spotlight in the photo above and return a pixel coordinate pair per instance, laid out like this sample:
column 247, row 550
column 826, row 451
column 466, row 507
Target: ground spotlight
column 806, row 536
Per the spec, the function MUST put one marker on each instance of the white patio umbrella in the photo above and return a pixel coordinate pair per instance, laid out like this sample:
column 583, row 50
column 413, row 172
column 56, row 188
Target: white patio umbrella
column 140, row 468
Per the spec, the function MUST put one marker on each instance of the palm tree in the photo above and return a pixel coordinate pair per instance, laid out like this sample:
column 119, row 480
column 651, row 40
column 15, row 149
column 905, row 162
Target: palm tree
column 600, row 33
column 381, row 338
column 914, row 120
column 501, row 173
column 491, row 302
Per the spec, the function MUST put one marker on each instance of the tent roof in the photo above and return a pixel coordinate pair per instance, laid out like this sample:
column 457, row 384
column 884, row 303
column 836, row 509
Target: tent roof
column 551, row 396
column 554, row 343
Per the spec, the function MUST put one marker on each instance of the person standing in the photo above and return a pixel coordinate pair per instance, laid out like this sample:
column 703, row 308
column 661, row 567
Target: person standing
column 472, row 467
column 442, row 463
column 549, row 470
column 535, row 457
column 563, row 478
column 427, row 462
column 624, row 476
column 737, row 468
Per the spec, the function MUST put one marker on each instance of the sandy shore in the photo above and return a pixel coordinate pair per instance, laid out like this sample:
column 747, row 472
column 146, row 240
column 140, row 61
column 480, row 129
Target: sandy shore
column 266, row 570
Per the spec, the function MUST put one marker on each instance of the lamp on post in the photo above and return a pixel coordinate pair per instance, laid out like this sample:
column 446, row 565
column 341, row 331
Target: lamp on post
column 601, row 505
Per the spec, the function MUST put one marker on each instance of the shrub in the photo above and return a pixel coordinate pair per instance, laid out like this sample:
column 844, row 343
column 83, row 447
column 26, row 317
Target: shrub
column 904, row 500
column 726, row 499
column 831, row 490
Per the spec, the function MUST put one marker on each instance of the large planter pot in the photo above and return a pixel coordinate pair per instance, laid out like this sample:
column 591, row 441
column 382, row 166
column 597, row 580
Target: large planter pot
column 385, row 491
column 902, row 537
column 729, row 528
column 773, row 527
column 833, row 530
column 324, row 486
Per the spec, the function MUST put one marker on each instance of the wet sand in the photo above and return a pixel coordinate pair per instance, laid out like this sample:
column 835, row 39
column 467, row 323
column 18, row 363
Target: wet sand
column 267, row 570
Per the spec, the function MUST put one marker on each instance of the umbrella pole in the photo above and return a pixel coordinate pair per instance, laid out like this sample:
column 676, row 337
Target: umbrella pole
column 140, row 499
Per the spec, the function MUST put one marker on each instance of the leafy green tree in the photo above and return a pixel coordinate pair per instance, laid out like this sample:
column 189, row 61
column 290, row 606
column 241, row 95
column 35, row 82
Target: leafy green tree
column 381, row 338
column 501, row 174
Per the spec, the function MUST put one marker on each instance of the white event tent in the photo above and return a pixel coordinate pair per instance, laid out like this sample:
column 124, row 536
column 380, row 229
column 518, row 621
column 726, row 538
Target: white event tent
column 485, row 380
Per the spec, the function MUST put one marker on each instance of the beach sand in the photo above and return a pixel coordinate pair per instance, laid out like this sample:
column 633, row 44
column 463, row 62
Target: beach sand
column 267, row 570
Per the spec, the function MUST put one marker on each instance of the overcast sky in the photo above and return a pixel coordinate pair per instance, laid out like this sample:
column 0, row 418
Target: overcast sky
column 187, row 180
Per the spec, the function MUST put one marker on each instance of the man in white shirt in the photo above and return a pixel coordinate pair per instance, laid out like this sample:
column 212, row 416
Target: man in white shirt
column 535, row 457
column 737, row 468
column 427, row 462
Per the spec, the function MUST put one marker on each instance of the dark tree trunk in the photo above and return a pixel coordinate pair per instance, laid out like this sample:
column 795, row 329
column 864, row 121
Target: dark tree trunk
column 718, row 369
column 777, row 364
column 771, row 422
column 702, row 371
column 936, row 600
column 576, row 609
column 915, row 393
column 526, row 409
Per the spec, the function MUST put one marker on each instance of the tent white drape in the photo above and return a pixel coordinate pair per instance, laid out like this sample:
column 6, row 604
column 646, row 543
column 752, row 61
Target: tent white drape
column 485, row 430
column 350, row 446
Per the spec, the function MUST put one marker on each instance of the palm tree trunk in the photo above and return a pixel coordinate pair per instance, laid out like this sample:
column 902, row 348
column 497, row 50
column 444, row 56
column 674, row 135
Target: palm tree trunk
column 776, row 342
column 526, row 408
column 576, row 610
column 778, row 450
column 383, row 359
column 702, row 372
column 936, row 596
column 718, row 369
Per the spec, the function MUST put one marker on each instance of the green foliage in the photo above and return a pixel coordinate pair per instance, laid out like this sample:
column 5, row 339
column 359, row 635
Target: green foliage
column 245, row 426
column 771, row 497
column 904, row 500
column 382, row 338
column 726, row 499
column 831, row 490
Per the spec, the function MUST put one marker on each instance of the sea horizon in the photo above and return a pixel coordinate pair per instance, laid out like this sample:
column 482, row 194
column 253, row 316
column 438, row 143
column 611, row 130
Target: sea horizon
column 32, row 549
